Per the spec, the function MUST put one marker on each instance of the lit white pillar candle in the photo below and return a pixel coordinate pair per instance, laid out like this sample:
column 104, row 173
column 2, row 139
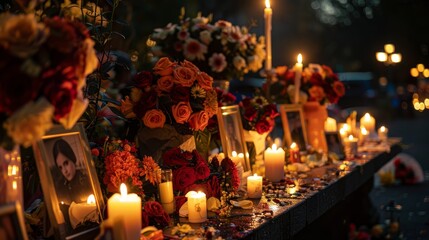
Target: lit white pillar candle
column 368, row 122
column 197, row 207
column 382, row 133
column 363, row 135
column 126, row 208
column 254, row 186
column 294, row 156
column 298, row 72
column 268, row 13
column 80, row 212
column 350, row 146
column 274, row 163
column 330, row 125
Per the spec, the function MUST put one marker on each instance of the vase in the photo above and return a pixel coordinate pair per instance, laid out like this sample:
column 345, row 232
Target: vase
column 255, row 143
column 155, row 142
column 221, row 84
column 315, row 116
column 11, row 176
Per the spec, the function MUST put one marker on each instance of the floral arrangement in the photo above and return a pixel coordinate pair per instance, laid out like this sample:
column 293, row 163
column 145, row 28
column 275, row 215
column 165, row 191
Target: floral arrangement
column 318, row 84
column 154, row 215
column 258, row 114
column 221, row 49
column 118, row 163
column 175, row 93
column 45, row 73
column 193, row 173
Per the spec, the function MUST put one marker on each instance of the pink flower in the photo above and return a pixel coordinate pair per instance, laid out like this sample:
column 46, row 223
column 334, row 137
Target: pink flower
column 217, row 62
column 194, row 49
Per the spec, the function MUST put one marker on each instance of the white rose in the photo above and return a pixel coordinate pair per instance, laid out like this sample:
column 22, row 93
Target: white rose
column 30, row 123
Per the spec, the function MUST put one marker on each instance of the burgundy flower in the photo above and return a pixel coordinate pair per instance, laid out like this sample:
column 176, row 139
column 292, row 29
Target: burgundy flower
column 180, row 94
column 214, row 187
column 147, row 102
column 263, row 126
column 215, row 163
column 250, row 113
column 145, row 219
column 143, row 80
column 202, row 170
column 175, row 157
column 229, row 167
column 60, row 33
column 270, row 110
column 245, row 103
column 153, row 208
column 316, row 79
column 183, row 177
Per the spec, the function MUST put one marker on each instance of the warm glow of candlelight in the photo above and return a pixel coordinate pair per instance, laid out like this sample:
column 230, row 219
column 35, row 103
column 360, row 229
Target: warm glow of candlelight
column 274, row 147
column 363, row 131
column 299, row 58
column 351, row 137
column 293, row 145
column 382, row 129
column 90, row 199
column 234, row 154
column 267, row 4
column 123, row 190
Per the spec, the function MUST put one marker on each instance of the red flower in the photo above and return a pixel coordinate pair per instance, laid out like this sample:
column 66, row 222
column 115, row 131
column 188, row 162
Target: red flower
column 270, row 111
column 143, row 80
column 175, row 157
column 153, row 208
column 180, row 200
column 214, row 187
column 202, row 170
column 180, row 94
column 147, row 102
column 263, row 126
column 183, row 177
column 250, row 113
column 228, row 166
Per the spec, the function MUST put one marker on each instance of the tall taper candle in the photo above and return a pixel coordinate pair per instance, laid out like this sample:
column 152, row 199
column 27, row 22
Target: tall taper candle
column 268, row 13
column 298, row 73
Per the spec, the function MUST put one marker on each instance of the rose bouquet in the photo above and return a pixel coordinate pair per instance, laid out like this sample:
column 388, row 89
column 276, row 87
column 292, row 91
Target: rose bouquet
column 43, row 65
column 318, row 84
column 258, row 114
column 193, row 173
column 221, row 49
column 172, row 102
column 118, row 162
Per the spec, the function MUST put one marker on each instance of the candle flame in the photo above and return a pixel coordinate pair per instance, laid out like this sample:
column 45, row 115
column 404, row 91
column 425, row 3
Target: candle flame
column 267, row 4
column 234, row 154
column 363, row 131
column 255, row 175
column 382, row 128
column 299, row 58
column 274, row 147
column 241, row 155
column 367, row 116
column 293, row 145
column 90, row 199
column 123, row 189
column 350, row 137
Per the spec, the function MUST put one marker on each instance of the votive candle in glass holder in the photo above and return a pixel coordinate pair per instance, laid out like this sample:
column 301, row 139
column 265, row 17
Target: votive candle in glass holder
column 350, row 146
column 165, row 189
column 254, row 186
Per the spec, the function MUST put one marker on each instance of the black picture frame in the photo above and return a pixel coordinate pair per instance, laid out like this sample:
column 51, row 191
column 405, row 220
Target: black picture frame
column 294, row 127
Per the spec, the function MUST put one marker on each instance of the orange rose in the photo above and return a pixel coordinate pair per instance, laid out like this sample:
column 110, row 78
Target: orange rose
column 188, row 64
column 181, row 112
column 204, row 80
column 184, row 76
column 198, row 121
column 164, row 67
column 165, row 83
column 316, row 93
column 154, row 118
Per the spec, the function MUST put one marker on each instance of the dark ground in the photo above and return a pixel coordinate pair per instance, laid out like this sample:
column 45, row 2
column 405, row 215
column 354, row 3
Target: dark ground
column 414, row 199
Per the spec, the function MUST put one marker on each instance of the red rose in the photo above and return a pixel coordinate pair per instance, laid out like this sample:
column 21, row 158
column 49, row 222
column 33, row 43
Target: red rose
column 245, row 103
column 61, row 31
column 215, row 163
column 95, row 152
column 183, row 177
column 339, row 88
column 145, row 219
column 214, row 187
column 146, row 102
column 250, row 113
column 316, row 79
column 153, row 208
column 204, row 80
column 175, row 157
column 165, row 83
column 154, row 118
column 263, row 126
column 202, row 170
column 143, row 80
column 180, row 94
column 271, row 111
column 180, row 200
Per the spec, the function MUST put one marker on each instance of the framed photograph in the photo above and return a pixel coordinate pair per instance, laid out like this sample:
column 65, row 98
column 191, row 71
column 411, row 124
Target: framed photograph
column 293, row 125
column 231, row 134
column 69, row 182
column 335, row 145
column 12, row 222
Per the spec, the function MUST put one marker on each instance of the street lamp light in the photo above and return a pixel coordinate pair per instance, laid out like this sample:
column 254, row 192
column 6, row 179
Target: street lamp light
column 389, row 56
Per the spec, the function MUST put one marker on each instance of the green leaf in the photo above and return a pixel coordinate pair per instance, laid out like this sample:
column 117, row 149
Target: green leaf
column 202, row 142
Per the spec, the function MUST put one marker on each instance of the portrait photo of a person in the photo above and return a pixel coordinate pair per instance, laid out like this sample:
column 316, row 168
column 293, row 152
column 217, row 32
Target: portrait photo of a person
column 295, row 127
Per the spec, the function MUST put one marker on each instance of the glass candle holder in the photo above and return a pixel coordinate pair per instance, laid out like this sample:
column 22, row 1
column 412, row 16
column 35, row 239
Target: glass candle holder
column 165, row 189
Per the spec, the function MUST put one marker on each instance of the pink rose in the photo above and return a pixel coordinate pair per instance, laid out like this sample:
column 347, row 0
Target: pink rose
column 204, row 80
column 198, row 121
column 164, row 67
column 184, row 76
column 181, row 112
column 154, row 119
column 165, row 83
